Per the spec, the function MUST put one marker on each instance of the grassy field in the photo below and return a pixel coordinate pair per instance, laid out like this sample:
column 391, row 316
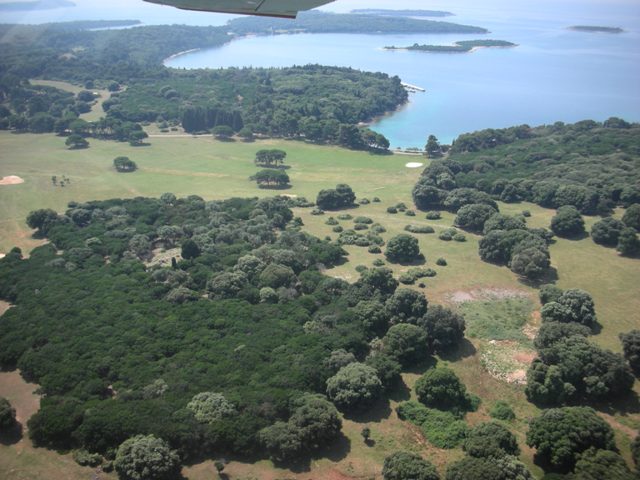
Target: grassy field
column 96, row 108
column 202, row 166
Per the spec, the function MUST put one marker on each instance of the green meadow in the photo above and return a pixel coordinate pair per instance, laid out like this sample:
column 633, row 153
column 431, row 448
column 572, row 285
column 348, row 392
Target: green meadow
column 186, row 165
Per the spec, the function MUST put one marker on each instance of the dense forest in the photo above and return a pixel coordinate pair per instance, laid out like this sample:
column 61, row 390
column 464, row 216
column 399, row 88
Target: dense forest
column 242, row 320
column 263, row 101
column 589, row 165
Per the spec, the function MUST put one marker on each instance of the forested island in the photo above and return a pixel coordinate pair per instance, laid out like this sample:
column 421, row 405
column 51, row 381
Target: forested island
column 402, row 13
column 458, row 47
column 320, row 22
column 596, row 29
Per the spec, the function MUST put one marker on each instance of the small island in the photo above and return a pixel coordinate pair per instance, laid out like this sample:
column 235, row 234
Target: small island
column 402, row 13
column 595, row 29
column 458, row 47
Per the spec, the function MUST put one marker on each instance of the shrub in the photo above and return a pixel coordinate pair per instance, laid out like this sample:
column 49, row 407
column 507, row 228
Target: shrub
column 392, row 210
column 419, row 229
column 360, row 226
column 7, row 415
column 434, row 215
column 403, row 249
column 441, row 262
column 146, row 458
column 567, row 222
column 460, row 237
column 355, row 386
column 378, row 262
column 376, row 200
column 331, row 221
column 410, row 213
column 442, row 429
column 442, row 389
column 344, row 216
column 490, row 440
column 365, row 220
column 338, row 229
column 408, row 466
column 501, row 410
column 560, row 435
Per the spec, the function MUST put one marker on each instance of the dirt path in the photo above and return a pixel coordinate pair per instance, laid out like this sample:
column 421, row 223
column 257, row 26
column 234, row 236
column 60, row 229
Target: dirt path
column 616, row 425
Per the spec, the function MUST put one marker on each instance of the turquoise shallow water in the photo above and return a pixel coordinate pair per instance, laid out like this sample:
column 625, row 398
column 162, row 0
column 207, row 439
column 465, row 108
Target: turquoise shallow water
column 553, row 75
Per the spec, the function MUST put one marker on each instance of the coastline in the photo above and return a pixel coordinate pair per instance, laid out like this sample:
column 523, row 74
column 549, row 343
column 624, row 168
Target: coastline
column 471, row 50
column 179, row 54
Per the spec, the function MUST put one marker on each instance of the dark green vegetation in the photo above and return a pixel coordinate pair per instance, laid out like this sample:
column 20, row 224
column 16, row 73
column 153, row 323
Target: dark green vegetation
column 560, row 435
column 221, row 352
column 403, row 248
column 596, row 29
column 313, row 102
column 569, row 367
column 591, row 166
column 146, row 458
column 7, row 415
column 321, row 22
column 408, row 466
column 124, row 164
column 584, row 168
column 474, row 468
column 233, row 101
column 458, row 47
column 336, row 198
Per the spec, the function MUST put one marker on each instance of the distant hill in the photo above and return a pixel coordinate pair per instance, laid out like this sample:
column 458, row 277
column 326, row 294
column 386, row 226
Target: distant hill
column 320, row 22
column 402, row 13
column 34, row 5
column 595, row 29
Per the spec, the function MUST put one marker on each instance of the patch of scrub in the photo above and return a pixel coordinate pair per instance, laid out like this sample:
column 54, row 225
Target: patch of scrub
column 498, row 319
column 414, row 165
column 11, row 180
column 491, row 294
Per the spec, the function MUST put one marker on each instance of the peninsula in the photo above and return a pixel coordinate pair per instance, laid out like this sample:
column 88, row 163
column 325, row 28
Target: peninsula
column 458, row 47
column 595, row 29
column 402, row 13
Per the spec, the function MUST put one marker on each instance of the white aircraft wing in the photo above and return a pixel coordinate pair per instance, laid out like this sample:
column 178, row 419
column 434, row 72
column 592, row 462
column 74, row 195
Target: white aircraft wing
column 271, row 8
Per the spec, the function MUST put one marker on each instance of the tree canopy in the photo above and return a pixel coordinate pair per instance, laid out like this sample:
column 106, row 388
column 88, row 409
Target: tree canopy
column 560, row 435
column 408, row 466
column 146, row 458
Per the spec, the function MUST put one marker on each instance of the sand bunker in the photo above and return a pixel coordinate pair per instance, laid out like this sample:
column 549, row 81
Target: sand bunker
column 414, row 165
column 11, row 180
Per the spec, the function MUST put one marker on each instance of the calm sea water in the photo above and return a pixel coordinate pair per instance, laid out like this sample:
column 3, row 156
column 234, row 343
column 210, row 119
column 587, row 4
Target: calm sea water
column 554, row 74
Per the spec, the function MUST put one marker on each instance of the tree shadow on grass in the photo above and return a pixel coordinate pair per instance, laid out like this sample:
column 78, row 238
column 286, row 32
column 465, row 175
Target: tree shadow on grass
column 374, row 414
column 423, row 366
column 628, row 404
column 464, row 349
column 12, row 435
column 400, row 392
column 336, row 452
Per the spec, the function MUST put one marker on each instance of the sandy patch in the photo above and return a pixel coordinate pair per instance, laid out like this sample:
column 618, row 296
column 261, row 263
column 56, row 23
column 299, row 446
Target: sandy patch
column 414, row 165
column 506, row 360
column 289, row 196
column 11, row 180
column 482, row 294
column 2, row 255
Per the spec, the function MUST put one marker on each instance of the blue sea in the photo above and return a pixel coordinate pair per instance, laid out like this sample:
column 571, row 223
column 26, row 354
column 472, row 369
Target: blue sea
column 554, row 74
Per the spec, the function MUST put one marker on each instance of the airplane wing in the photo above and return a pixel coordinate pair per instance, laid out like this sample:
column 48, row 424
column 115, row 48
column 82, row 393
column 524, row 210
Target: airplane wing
column 270, row 8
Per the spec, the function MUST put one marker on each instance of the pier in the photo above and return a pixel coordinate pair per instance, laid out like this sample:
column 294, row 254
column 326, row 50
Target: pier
column 412, row 88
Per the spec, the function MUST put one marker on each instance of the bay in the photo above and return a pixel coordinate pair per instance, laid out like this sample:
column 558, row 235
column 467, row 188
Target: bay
column 554, row 74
